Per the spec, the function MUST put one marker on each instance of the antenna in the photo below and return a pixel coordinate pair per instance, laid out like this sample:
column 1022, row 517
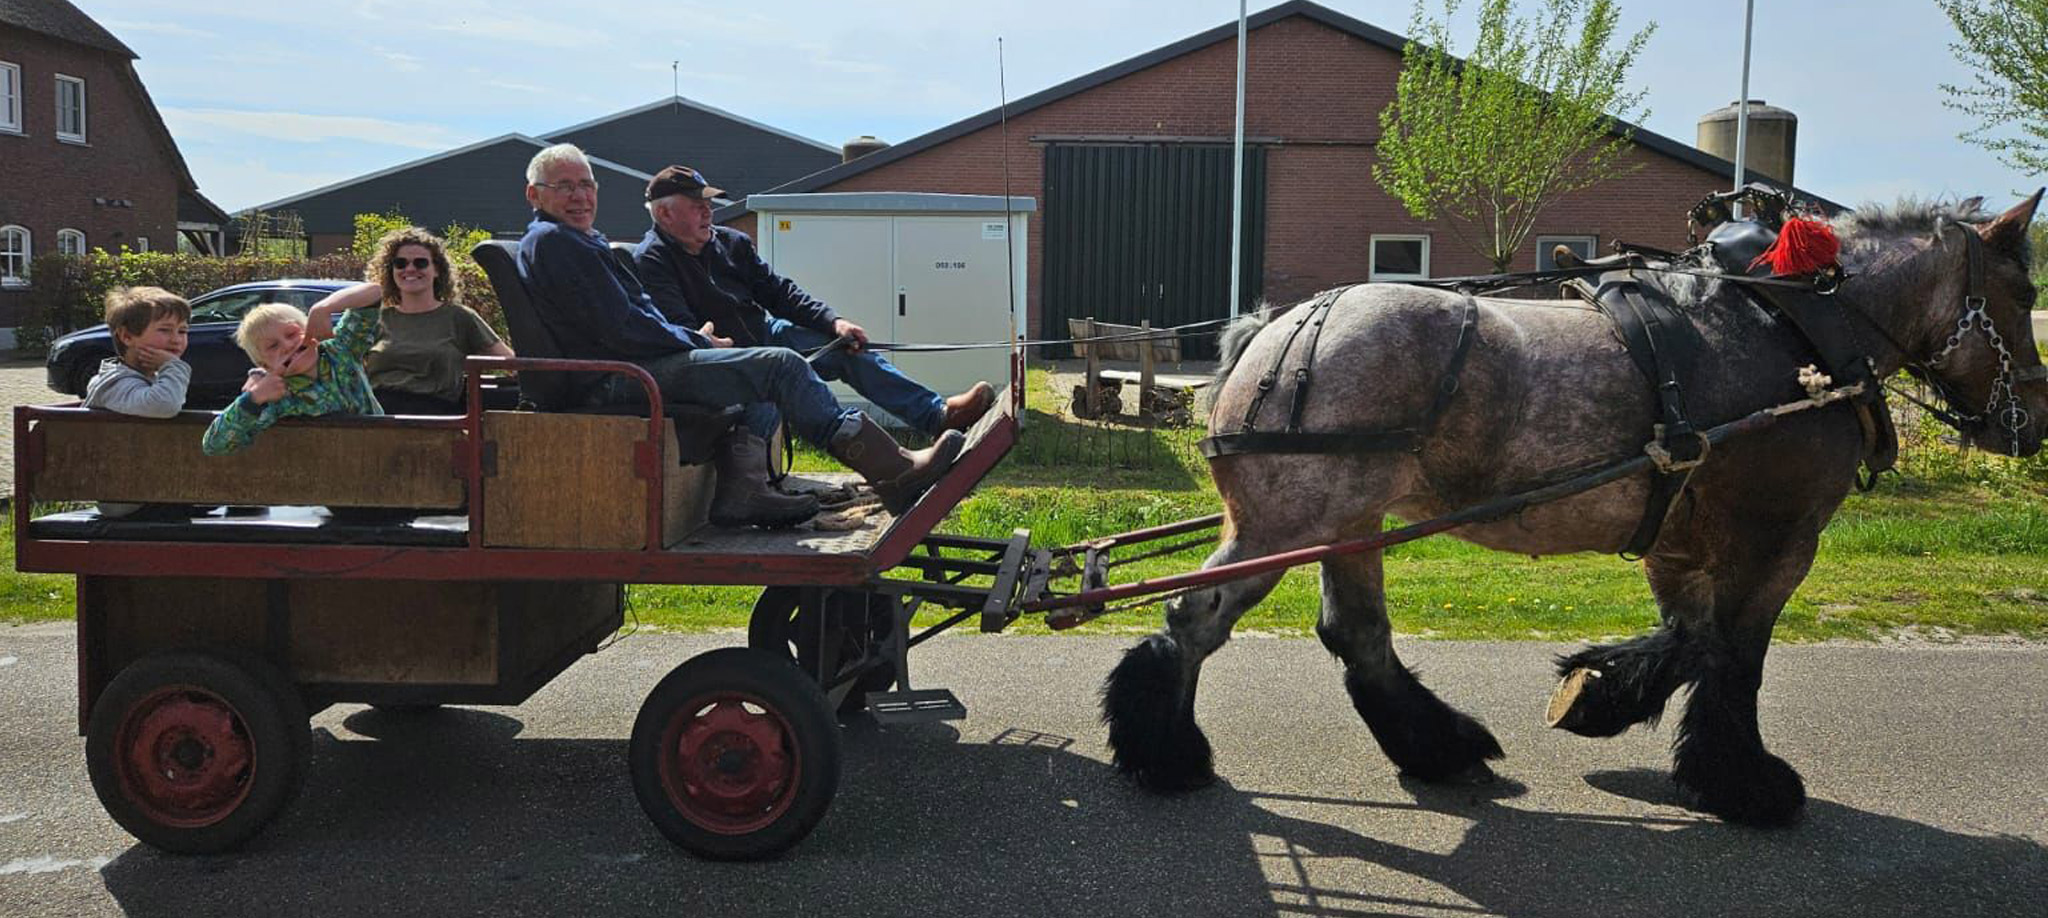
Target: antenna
column 1018, row 352
column 675, row 78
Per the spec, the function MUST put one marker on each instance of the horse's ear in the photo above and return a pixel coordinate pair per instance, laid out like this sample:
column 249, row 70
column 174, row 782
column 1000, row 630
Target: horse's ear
column 2009, row 231
column 1968, row 207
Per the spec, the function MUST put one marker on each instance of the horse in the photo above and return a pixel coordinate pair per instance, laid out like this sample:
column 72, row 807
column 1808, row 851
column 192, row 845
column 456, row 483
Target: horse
column 1546, row 389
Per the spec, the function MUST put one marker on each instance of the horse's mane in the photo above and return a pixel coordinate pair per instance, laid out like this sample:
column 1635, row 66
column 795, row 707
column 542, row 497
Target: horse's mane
column 1873, row 228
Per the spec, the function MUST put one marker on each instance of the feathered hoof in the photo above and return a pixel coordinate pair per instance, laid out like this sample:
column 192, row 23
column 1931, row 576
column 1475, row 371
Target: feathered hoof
column 1761, row 791
column 1580, row 704
column 1151, row 738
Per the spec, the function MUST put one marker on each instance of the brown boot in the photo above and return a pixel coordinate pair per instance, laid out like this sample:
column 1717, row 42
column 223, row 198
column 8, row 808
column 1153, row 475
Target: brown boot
column 744, row 497
column 899, row 476
column 966, row 408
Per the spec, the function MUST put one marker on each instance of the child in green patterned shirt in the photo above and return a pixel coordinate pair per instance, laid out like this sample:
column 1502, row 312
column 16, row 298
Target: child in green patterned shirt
column 298, row 373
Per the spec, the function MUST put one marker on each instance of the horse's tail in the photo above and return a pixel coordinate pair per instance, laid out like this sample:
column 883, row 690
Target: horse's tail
column 1238, row 335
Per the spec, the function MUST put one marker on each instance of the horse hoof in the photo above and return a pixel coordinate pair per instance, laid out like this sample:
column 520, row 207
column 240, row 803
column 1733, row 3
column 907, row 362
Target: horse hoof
column 1764, row 793
column 1473, row 775
column 1170, row 783
column 1566, row 711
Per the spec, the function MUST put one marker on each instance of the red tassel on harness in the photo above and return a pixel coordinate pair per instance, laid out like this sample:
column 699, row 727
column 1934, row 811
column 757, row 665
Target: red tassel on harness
column 1803, row 247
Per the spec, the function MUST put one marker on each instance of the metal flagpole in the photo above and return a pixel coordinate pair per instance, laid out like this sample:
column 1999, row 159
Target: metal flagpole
column 1742, row 105
column 1237, row 177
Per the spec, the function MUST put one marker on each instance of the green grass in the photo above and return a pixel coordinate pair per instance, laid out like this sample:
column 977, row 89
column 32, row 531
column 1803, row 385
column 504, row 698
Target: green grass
column 1957, row 545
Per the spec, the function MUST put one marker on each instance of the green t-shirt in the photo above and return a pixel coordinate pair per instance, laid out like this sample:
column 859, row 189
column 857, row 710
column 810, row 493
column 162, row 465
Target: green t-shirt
column 422, row 352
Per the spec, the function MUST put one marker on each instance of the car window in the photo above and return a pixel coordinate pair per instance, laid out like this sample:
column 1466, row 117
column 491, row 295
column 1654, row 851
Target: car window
column 228, row 308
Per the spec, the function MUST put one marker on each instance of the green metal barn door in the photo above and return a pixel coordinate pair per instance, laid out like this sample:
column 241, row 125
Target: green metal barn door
column 1142, row 231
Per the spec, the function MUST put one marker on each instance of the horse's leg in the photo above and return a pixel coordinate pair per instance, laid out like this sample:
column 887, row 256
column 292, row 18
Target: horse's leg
column 1719, row 756
column 1608, row 688
column 1148, row 700
column 1425, row 737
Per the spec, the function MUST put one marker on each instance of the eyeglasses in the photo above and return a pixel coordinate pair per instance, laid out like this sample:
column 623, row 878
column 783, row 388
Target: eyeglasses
column 586, row 186
column 418, row 264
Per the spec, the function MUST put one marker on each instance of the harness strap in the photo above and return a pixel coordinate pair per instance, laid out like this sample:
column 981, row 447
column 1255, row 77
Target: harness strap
column 1653, row 333
column 1295, row 440
column 1825, row 326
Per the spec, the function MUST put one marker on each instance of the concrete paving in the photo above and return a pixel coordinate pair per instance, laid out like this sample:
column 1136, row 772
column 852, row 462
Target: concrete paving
column 22, row 382
column 1925, row 765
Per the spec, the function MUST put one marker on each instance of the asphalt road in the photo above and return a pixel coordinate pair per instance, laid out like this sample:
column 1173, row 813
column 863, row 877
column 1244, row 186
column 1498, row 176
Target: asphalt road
column 1925, row 765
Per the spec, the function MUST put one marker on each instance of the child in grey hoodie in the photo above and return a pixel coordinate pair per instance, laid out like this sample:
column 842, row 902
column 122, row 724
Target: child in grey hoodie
column 146, row 376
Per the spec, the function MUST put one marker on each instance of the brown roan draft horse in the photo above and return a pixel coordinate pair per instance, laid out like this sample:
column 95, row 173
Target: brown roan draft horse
column 1547, row 390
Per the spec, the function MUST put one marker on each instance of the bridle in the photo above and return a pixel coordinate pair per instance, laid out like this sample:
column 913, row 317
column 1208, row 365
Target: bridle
column 2003, row 408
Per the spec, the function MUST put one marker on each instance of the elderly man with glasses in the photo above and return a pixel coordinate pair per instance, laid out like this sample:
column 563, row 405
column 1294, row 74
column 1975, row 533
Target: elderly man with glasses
column 596, row 309
column 699, row 272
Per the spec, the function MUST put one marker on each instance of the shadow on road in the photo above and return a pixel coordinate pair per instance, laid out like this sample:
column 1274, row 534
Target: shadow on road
column 449, row 812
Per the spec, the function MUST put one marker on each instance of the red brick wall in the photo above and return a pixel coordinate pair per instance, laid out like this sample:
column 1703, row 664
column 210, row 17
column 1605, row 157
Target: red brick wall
column 1320, row 91
column 48, row 185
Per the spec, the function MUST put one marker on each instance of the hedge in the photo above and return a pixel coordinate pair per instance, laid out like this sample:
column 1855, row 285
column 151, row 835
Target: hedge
column 68, row 291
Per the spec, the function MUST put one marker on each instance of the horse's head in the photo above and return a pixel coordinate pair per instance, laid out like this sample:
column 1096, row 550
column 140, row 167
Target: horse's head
column 1980, row 355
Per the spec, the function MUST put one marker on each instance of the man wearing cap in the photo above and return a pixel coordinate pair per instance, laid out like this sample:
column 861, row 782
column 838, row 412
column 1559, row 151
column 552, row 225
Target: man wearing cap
column 597, row 310
column 697, row 273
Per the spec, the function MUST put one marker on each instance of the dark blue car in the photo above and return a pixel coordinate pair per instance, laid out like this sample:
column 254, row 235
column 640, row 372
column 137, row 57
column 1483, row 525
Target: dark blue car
column 218, row 366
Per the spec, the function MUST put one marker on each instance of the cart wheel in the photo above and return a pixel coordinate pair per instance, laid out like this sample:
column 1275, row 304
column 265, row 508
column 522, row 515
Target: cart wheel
column 194, row 753
column 735, row 755
column 854, row 622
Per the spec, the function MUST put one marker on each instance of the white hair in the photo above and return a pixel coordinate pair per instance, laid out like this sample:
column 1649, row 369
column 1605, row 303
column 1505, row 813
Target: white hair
column 664, row 199
column 537, row 168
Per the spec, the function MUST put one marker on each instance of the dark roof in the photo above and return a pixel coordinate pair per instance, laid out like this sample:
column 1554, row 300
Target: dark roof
column 738, row 154
column 1228, row 31
column 59, row 19
column 194, row 207
column 478, row 185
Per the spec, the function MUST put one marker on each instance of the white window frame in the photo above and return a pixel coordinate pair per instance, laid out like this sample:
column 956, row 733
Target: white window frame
column 142, row 243
column 10, row 97
column 1547, row 242
column 67, row 235
column 1372, row 255
column 27, row 254
column 67, row 136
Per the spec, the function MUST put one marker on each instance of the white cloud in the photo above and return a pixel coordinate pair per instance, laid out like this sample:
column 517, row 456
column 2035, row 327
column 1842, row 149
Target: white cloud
column 403, row 63
column 301, row 128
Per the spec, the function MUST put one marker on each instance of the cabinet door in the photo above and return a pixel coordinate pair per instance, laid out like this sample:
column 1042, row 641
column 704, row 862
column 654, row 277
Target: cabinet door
column 843, row 260
column 952, row 281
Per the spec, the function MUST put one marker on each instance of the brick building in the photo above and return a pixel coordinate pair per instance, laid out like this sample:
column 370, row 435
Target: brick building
column 89, row 163
column 1133, row 150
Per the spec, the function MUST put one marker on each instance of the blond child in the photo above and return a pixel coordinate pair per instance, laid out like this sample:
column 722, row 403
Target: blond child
column 145, row 376
column 303, row 370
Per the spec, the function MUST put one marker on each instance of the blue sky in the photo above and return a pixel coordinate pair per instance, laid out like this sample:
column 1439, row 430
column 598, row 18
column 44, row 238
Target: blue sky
column 268, row 99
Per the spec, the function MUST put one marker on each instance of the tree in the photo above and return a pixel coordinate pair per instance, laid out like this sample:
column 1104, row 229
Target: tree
column 2005, row 43
column 1485, row 143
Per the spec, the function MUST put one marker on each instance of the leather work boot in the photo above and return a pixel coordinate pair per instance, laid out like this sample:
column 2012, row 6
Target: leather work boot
column 899, row 476
column 966, row 408
column 744, row 497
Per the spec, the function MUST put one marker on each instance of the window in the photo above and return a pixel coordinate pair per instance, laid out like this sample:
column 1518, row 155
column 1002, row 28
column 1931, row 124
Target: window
column 70, row 109
column 1546, row 248
column 142, row 243
column 10, row 97
column 1398, row 258
column 15, row 252
column 70, row 242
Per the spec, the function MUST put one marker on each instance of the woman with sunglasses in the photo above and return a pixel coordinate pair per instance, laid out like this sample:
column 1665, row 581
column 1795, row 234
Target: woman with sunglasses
column 423, row 334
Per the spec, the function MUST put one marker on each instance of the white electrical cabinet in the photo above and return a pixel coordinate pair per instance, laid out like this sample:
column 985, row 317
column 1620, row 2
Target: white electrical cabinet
column 912, row 268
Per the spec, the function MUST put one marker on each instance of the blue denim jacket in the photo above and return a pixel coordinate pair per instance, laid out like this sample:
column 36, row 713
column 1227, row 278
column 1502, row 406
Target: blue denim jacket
column 595, row 308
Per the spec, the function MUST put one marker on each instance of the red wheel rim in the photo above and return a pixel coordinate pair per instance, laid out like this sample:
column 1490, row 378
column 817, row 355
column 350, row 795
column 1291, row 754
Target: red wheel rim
column 729, row 762
column 184, row 757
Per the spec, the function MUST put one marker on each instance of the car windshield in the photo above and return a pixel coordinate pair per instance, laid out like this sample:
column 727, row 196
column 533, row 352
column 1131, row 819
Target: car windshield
column 230, row 307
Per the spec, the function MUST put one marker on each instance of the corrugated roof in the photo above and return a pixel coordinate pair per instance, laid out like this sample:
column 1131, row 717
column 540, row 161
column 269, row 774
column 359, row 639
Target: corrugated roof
column 1227, row 32
column 59, row 19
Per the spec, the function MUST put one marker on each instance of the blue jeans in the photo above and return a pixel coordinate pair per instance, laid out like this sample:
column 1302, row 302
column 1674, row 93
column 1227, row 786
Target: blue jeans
column 869, row 373
column 767, row 380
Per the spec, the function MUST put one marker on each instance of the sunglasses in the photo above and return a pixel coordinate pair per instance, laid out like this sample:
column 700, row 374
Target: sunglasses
column 418, row 264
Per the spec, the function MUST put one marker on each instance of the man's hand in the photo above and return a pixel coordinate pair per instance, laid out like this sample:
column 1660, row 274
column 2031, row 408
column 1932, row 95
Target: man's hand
column 149, row 359
column 263, row 387
column 844, row 329
column 715, row 340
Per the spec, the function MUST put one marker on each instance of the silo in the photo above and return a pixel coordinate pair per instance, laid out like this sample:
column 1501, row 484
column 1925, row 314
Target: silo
column 1773, row 137
column 861, row 146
